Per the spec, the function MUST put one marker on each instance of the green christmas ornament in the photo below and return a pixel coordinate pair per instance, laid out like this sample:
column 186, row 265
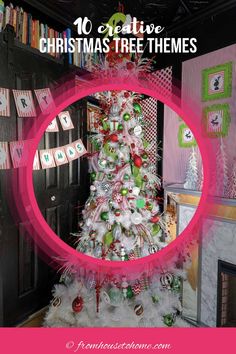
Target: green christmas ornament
column 169, row 319
column 138, row 181
column 155, row 299
column 126, row 117
column 126, row 177
column 136, row 171
column 120, row 127
column 144, row 156
column 140, row 203
column 145, row 144
column 110, row 176
column 104, row 216
column 155, row 229
column 93, row 176
column 176, row 285
column 137, row 108
column 124, row 191
column 130, row 293
column 108, row 238
column 126, row 257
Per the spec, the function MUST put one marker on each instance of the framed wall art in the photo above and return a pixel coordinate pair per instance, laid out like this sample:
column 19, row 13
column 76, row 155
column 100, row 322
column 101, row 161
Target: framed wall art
column 186, row 137
column 216, row 120
column 217, row 82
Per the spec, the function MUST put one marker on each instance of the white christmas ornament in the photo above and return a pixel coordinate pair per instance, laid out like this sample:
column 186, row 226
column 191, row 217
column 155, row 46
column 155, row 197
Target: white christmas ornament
column 136, row 218
column 138, row 130
column 135, row 191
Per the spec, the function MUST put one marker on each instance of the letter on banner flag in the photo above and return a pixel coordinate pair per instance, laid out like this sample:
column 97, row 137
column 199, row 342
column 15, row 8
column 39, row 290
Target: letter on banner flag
column 5, row 162
column 4, row 102
column 60, row 156
column 53, row 126
column 46, row 158
column 71, row 152
column 36, row 164
column 65, row 120
column 24, row 103
column 80, row 148
column 19, row 153
column 45, row 100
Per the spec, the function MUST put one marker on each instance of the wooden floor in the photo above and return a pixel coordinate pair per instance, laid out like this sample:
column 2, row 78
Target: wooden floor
column 35, row 320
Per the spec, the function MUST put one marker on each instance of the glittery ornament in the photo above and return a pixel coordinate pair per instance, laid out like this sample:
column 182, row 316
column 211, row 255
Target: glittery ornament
column 137, row 288
column 124, row 191
column 77, row 304
column 126, row 117
column 108, row 238
column 56, row 302
column 166, row 280
column 153, row 249
column 137, row 108
column 155, row 299
column 138, row 309
column 93, row 176
column 155, row 219
column 104, row 216
column 169, row 319
column 138, row 130
column 136, row 218
column 115, row 296
column 176, row 285
column 137, row 161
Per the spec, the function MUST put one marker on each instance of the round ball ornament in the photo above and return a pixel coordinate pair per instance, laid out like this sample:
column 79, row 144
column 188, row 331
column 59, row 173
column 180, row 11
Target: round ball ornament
column 138, row 130
column 114, row 138
column 166, row 280
column 155, row 219
column 126, row 117
column 124, row 191
column 93, row 176
column 137, row 161
column 136, row 218
column 137, row 108
column 169, row 319
column 104, row 216
column 153, row 249
column 126, row 177
column 145, row 156
column 115, row 296
column 56, row 302
column 155, row 229
column 77, row 304
column 108, row 238
column 117, row 212
column 138, row 309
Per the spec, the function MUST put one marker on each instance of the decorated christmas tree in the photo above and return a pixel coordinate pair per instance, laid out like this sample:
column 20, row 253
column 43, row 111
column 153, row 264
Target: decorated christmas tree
column 232, row 182
column 121, row 221
column 222, row 177
column 191, row 181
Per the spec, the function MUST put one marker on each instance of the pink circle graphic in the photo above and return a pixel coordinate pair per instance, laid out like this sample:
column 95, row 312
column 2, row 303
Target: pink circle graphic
column 48, row 242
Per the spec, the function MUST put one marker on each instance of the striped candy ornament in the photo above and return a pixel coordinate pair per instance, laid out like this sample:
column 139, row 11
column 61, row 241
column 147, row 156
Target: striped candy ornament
column 137, row 288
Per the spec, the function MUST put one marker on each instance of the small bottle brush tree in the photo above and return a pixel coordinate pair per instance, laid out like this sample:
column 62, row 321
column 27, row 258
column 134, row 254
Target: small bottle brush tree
column 222, row 178
column 191, row 180
column 232, row 182
column 121, row 222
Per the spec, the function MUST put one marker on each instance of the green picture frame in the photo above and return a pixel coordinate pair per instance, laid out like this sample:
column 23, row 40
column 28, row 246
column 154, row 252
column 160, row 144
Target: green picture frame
column 217, row 82
column 185, row 137
column 216, row 120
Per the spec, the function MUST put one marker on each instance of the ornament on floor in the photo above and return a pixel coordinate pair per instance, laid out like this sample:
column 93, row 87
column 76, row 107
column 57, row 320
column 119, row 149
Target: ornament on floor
column 115, row 296
column 77, row 304
column 166, row 280
column 138, row 309
column 169, row 319
column 56, row 302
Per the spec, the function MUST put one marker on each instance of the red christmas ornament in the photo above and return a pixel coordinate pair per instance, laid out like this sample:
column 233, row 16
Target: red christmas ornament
column 155, row 219
column 77, row 304
column 126, row 94
column 137, row 161
column 113, row 138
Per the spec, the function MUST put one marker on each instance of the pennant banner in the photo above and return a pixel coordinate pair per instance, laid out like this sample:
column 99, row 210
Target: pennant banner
column 45, row 100
column 53, row 126
column 24, row 103
column 4, row 102
column 65, row 120
column 5, row 162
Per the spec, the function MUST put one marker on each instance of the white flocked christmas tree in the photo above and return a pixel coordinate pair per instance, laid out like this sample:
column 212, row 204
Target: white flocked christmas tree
column 121, row 222
column 191, row 180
